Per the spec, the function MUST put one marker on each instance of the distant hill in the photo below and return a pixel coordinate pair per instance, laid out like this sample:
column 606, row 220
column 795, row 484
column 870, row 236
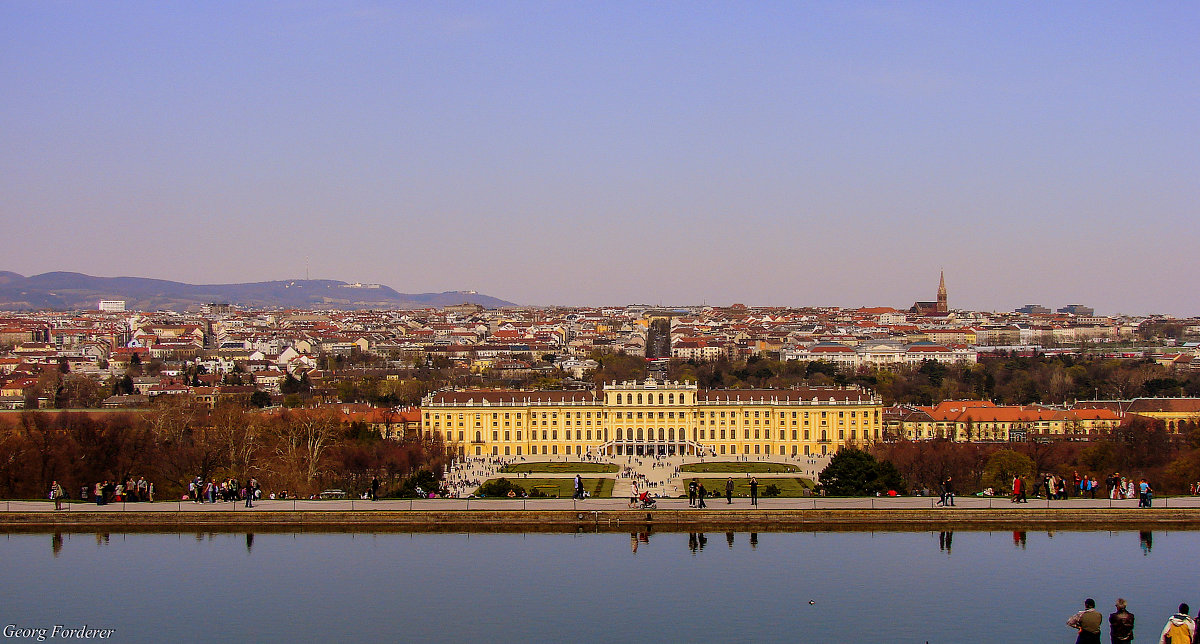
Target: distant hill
column 69, row 291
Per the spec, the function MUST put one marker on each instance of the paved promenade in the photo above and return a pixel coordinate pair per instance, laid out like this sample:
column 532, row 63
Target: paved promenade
column 714, row 504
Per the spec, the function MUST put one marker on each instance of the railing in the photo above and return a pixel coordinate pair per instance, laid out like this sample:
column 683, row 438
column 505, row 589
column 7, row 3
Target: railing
column 967, row 503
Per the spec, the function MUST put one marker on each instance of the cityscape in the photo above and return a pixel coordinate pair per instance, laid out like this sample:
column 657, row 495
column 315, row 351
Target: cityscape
column 531, row 322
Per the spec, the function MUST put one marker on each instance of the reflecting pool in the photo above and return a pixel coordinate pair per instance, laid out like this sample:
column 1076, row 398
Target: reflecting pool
column 593, row 587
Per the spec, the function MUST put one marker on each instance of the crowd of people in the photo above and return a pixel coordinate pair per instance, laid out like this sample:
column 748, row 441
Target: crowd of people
column 1179, row 629
column 228, row 490
column 105, row 492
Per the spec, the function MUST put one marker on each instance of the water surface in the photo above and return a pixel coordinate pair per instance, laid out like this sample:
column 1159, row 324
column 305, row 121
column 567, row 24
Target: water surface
column 593, row 587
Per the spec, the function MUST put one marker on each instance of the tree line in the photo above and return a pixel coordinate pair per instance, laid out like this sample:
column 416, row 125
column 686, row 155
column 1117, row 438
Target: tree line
column 1006, row 380
column 1140, row 447
column 302, row 451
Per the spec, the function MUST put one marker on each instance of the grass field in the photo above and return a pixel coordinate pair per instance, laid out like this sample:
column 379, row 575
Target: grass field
column 788, row 487
column 564, row 488
column 561, row 468
column 737, row 467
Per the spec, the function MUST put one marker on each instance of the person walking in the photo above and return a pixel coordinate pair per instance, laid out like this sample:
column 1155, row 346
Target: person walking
column 1120, row 624
column 1180, row 628
column 1087, row 622
column 374, row 488
column 729, row 491
column 56, row 494
column 947, row 492
column 251, row 485
column 753, row 491
column 578, row 493
column 1016, row 488
column 700, row 493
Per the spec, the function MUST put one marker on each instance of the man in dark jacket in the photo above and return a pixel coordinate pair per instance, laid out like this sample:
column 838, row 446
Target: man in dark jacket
column 729, row 491
column 947, row 492
column 1120, row 624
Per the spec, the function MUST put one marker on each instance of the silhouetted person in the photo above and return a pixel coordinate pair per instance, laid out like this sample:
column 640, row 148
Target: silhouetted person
column 1120, row 624
column 1087, row 622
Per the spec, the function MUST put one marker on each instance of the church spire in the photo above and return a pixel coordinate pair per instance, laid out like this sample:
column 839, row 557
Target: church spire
column 941, row 295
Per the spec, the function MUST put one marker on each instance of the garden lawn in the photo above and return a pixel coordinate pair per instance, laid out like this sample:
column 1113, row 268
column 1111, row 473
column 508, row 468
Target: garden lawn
column 788, row 487
column 737, row 467
column 561, row 468
column 564, row 488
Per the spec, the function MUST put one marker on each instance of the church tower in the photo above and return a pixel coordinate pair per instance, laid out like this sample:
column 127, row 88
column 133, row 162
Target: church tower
column 941, row 298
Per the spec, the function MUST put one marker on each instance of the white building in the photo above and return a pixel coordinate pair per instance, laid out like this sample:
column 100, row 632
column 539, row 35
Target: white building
column 112, row 306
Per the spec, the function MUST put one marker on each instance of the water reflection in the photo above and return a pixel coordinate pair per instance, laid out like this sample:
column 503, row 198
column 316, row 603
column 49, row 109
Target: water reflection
column 946, row 541
column 1146, row 537
column 898, row 566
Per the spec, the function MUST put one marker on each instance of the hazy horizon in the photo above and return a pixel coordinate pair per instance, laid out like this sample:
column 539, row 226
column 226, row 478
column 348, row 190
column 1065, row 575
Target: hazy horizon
column 781, row 154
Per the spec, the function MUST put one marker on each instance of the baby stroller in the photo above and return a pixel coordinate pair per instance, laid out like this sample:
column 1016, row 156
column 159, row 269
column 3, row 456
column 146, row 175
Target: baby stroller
column 645, row 501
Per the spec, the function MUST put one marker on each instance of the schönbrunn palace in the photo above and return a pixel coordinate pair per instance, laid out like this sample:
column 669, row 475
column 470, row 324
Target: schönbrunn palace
column 649, row 418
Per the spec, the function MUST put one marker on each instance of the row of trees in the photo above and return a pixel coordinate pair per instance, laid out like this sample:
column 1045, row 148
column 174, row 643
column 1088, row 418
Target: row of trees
column 1011, row 380
column 1138, row 448
column 303, row 451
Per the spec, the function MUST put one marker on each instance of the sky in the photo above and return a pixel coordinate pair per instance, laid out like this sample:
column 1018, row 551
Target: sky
column 607, row 153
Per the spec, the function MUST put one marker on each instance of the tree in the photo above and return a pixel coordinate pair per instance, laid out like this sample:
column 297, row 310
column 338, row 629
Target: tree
column 1005, row 464
column 853, row 472
column 301, row 440
column 260, row 399
column 500, row 487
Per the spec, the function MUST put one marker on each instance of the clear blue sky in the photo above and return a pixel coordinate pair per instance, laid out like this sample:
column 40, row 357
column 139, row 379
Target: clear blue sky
column 606, row 153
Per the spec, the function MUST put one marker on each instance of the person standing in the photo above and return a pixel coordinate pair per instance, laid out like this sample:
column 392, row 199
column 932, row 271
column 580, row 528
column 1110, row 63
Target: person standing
column 1180, row 628
column 578, row 492
column 729, row 491
column 1120, row 624
column 947, row 492
column 374, row 488
column 1016, row 488
column 753, row 491
column 1143, row 494
column 1087, row 622
column 250, row 486
column 56, row 493
column 700, row 493
column 692, row 493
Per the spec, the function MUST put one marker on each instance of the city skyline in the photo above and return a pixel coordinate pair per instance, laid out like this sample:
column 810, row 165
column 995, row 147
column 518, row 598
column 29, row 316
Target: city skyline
column 444, row 298
column 823, row 155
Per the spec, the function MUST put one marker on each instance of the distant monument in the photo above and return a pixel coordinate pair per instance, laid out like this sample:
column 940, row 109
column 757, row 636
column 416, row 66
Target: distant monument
column 939, row 307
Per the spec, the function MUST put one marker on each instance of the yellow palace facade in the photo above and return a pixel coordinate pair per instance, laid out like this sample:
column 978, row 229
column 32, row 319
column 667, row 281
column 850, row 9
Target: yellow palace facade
column 653, row 418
